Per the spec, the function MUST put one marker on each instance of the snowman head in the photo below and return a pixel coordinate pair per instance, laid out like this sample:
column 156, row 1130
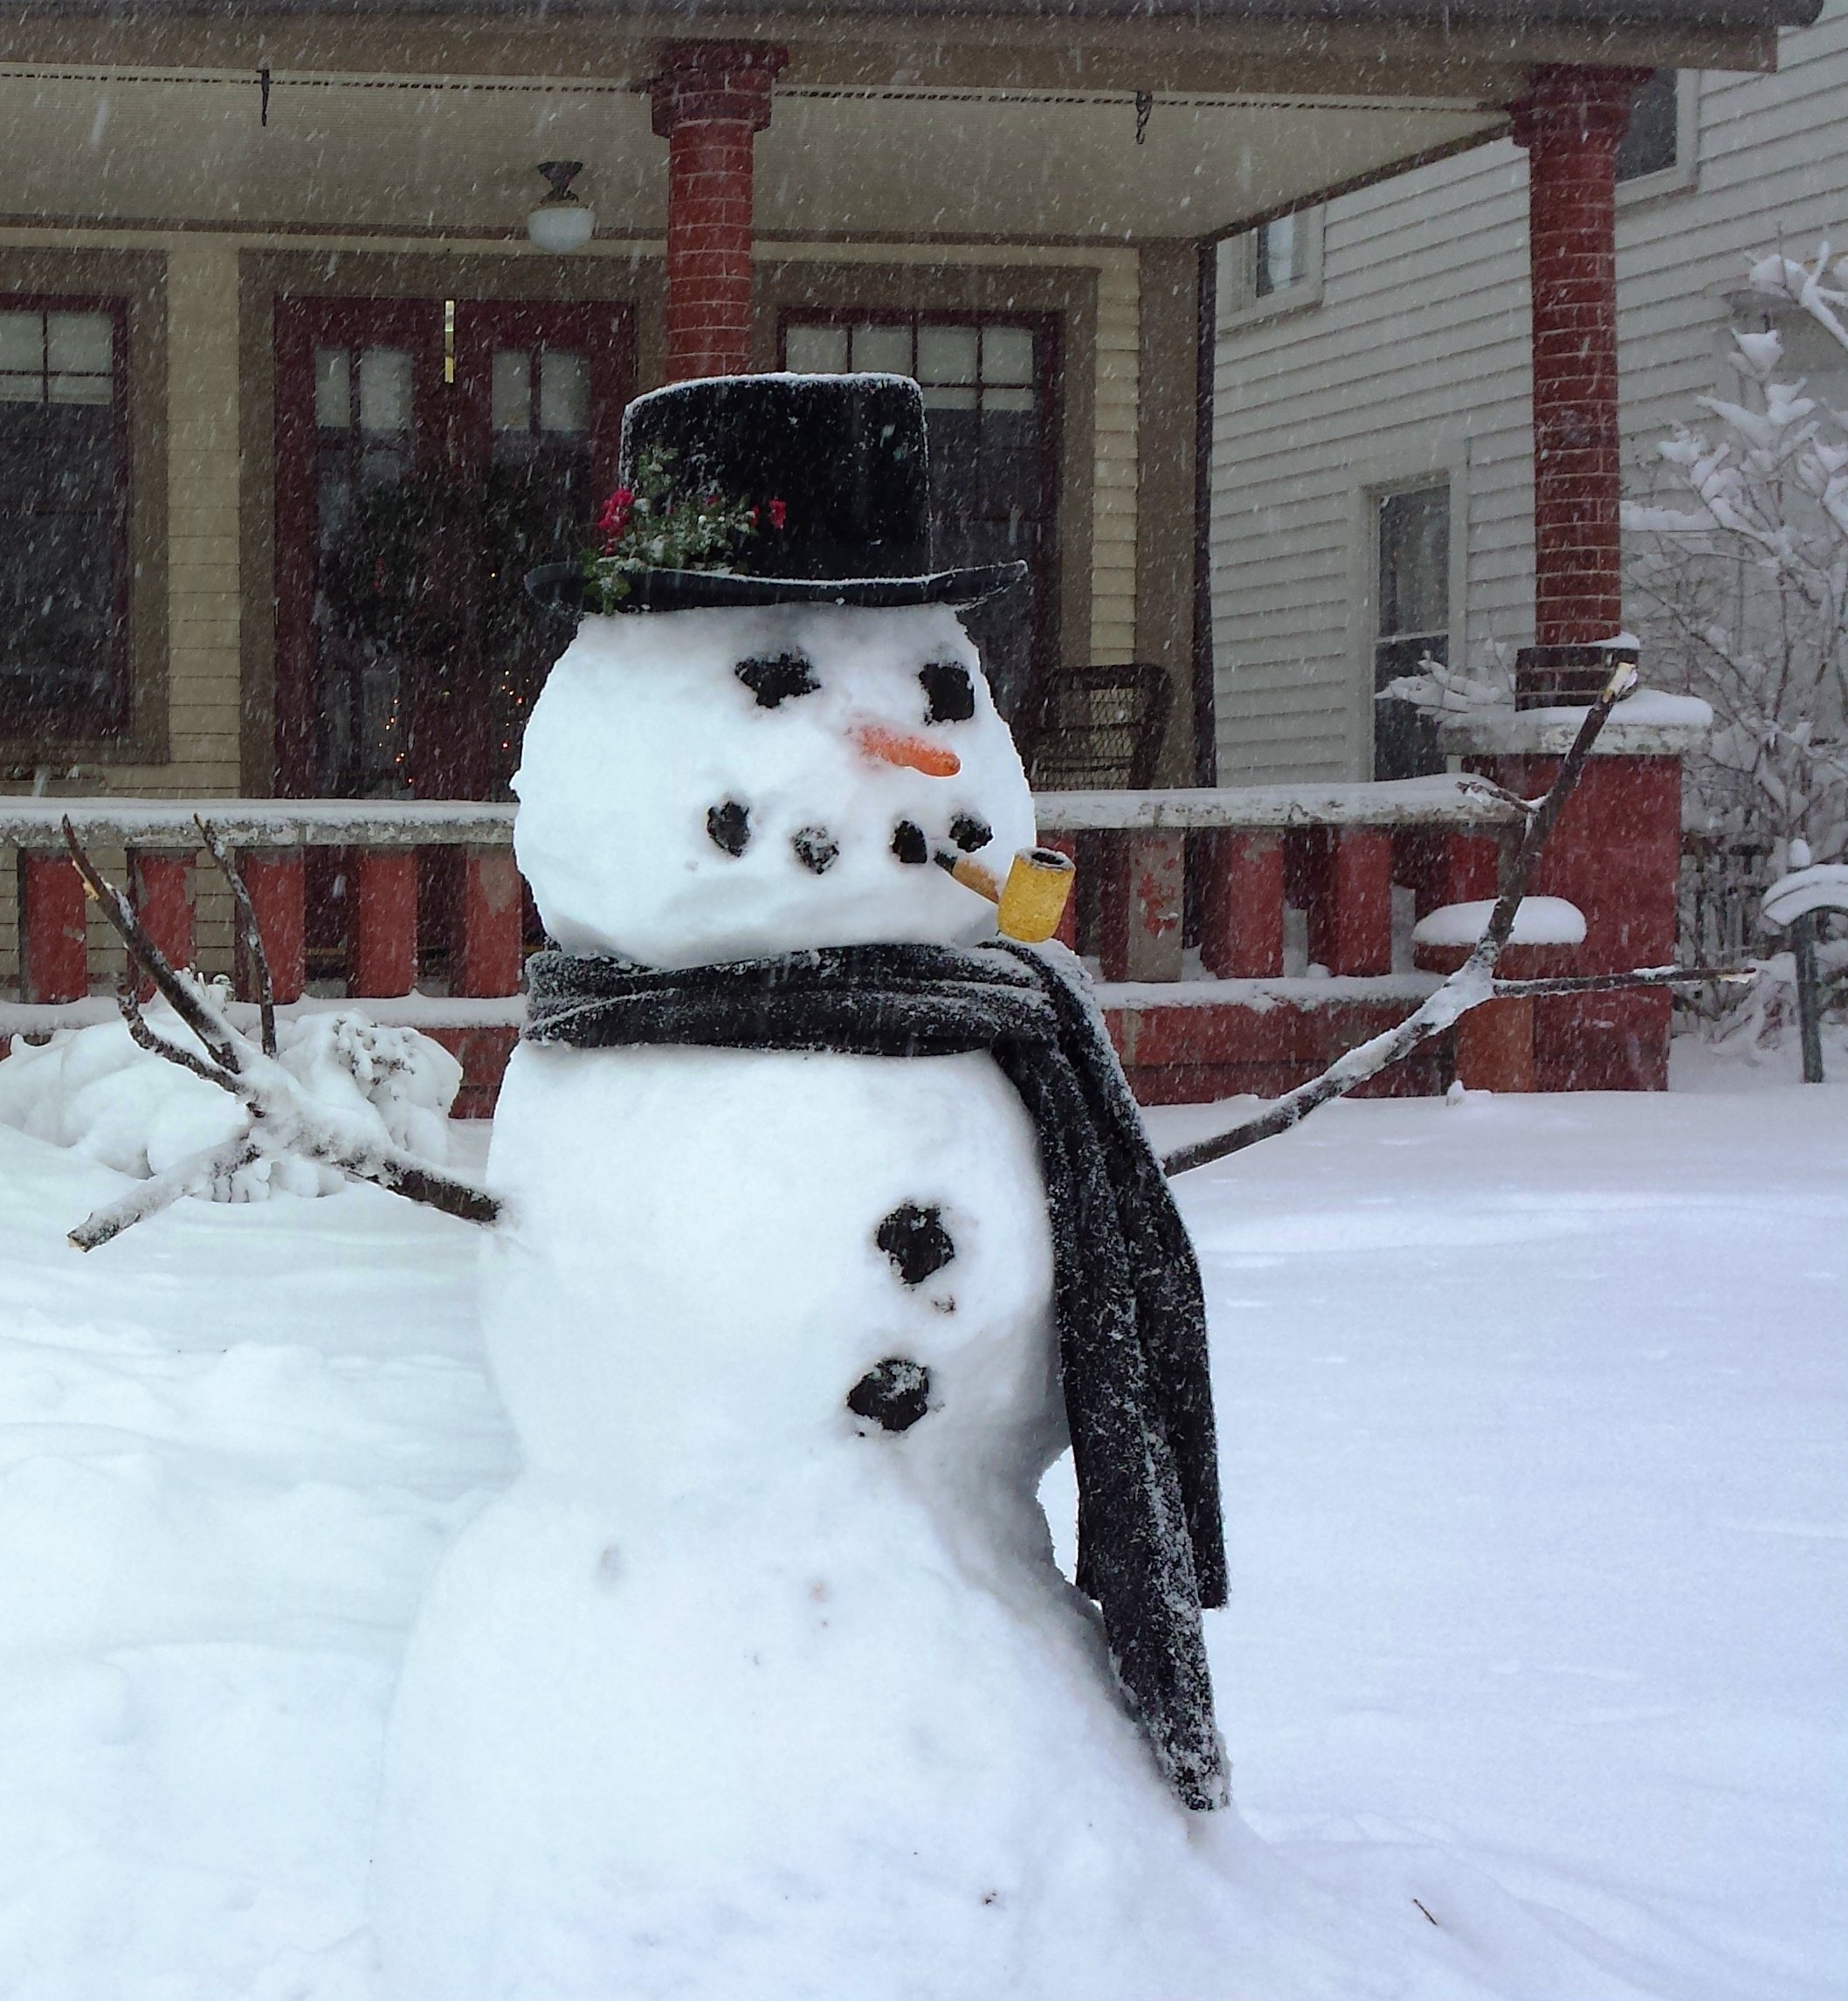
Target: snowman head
column 778, row 734
column 697, row 786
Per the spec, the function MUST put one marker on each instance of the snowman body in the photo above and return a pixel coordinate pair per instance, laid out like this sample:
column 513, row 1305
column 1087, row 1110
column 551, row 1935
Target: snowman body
column 752, row 1685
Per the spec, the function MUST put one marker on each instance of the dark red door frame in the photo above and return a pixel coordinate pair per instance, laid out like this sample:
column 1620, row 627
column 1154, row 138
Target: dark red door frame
column 452, row 434
column 303, row 325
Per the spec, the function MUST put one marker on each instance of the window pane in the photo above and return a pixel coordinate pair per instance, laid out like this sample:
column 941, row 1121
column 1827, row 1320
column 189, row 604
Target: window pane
column 21, row 389
column 1648, row 145
column 384, row 390
column 1007, row 356
column 1276, row 256
column 22, row 343
column 1415, row 562
column 510, row 392
column 78, row 343
column 815, row 350
column 78, row 389
column 940, row 398
column 1007, row 399
column 946, row 354
column 332, row 389
column 886, row 349
column 564, row 393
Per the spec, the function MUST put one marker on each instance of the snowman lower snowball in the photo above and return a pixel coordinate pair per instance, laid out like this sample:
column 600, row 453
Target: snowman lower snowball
column 827, row 1221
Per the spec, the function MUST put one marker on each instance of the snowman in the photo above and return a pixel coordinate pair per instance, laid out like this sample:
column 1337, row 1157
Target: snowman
column 828, row 1223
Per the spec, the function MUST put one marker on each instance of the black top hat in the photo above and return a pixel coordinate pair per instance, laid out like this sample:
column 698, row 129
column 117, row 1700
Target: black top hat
column 836, row 468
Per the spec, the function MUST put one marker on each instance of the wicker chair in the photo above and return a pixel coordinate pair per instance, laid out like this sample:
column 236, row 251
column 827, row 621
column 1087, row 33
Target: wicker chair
column 1098, row 729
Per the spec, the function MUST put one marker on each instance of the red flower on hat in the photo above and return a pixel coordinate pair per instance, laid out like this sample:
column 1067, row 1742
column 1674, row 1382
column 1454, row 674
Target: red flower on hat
column 613, row 523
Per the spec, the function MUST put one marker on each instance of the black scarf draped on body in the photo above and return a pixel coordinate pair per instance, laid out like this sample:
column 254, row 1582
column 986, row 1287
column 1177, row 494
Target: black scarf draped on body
column 1131, row 1324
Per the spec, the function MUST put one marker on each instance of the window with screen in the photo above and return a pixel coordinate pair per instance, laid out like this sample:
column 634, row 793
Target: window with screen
column 1413, row 621
column 63, row 485
column 988, row 404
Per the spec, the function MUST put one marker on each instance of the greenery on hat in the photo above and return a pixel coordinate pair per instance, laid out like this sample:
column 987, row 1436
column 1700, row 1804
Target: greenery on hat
column 652, row 525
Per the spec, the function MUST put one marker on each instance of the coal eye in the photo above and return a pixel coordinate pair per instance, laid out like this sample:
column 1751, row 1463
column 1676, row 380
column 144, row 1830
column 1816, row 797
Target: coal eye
column 777, row 679
column 948, row 690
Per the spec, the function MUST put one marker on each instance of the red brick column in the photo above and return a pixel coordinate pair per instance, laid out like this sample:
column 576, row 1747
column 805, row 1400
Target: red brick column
column 1570, row 123
column 710, row 99
column 1614, row 853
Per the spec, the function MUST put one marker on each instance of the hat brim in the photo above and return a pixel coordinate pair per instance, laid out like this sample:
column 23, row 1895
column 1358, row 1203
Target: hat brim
column 561, row 585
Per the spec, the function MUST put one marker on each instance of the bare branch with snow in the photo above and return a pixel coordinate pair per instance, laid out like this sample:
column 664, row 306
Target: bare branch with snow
column 252, row 934
column 282, row 1119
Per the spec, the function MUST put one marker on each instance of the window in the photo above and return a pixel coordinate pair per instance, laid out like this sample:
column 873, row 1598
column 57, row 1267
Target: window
column 988, row 404
column 1413, row 600
column 64, row 560
column 1275, row 267
column 1652, row 144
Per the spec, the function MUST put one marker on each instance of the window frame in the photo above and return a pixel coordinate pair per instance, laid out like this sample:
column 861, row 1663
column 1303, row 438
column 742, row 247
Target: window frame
column 1238, row 301
column 1683, row 173
column 1445, row 459
column 1049, row 338
column 109, row 716
column 137, row 281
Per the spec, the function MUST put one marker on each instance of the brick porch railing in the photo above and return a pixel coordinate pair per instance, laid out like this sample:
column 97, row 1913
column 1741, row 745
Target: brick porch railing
column 1246, row 1017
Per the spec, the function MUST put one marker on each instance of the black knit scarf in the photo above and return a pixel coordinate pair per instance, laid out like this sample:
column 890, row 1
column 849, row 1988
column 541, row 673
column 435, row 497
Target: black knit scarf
column 1132, row 1326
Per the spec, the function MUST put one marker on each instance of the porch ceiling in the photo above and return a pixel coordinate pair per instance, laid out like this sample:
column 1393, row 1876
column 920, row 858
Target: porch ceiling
column 396, row 153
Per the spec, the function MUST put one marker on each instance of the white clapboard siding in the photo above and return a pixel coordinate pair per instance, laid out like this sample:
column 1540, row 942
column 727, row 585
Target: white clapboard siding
column 1413, row 362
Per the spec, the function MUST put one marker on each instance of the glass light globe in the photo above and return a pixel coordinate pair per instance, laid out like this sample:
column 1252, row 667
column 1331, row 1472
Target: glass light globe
column 563, row 225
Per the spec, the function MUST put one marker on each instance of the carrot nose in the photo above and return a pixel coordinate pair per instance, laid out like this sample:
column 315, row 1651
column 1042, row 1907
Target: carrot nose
column 916, row 753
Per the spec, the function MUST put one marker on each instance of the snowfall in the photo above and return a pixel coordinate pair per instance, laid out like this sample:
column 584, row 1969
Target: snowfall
column 1532, row 1414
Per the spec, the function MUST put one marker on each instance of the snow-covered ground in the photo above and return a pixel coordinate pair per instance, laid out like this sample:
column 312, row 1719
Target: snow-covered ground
column 1533, row 1414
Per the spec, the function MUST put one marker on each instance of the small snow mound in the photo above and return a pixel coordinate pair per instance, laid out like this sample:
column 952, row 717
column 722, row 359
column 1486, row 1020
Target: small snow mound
column 95, row 1090
column 1539, row 921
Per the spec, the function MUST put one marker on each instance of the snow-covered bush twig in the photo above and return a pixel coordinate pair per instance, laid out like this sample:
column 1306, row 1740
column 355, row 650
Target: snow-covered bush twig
column 282, row 1119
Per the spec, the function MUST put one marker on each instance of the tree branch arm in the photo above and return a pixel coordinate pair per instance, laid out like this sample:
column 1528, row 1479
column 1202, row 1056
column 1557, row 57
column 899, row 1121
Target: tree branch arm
column 1469, row 986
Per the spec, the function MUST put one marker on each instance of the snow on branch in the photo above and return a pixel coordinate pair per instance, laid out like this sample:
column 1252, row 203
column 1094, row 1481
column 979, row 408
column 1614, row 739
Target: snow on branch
column 282, row 1117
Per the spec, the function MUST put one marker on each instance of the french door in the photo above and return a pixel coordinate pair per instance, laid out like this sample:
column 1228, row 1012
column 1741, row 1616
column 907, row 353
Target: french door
column 429, row 453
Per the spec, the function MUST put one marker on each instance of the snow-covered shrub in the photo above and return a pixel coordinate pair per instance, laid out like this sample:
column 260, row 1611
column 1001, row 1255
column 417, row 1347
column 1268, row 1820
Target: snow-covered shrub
column 95, row 1090
column 1738, row 560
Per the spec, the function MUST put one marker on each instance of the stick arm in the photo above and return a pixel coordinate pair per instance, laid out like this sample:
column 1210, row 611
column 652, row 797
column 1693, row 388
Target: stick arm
column 1471, row 984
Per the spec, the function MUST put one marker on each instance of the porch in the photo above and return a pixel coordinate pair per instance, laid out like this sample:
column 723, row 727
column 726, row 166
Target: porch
column 1243, row 937
column 325, row 401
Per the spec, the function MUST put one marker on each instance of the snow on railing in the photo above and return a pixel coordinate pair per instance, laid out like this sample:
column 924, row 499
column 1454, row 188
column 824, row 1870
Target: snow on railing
column 1333, row 850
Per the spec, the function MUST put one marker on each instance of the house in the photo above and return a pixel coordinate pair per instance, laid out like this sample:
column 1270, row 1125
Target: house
column 1373, row 494
column 309, row 348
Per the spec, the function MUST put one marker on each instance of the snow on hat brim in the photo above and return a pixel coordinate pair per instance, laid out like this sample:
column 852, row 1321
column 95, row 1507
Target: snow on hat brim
column 562, row 587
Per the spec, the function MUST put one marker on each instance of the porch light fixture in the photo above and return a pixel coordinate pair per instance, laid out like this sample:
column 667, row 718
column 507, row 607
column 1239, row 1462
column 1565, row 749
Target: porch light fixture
column 560, row 222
